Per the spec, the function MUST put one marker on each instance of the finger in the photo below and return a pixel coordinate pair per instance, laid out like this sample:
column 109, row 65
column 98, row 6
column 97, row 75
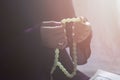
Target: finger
column 62, row 43
column 55, row 38
column 59, row 34
column 55, row 35
column 58, row 29
column 81, row 28
column 53, row 30
column 50, row 23
column 81, row 31
column 80, row 37
column 59, row 37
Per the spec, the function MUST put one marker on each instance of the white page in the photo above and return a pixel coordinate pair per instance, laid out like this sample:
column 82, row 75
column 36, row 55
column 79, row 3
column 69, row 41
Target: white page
column 104, row 75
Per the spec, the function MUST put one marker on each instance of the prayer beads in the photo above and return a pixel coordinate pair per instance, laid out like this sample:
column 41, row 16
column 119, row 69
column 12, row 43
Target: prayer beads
column 57, row 51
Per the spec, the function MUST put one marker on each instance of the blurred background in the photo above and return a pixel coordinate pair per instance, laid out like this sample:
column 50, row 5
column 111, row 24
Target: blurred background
column 104, row 16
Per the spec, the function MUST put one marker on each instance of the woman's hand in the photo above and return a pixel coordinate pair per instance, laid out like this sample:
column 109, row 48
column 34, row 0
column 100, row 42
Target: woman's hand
column 81, row 30
column 53, row 35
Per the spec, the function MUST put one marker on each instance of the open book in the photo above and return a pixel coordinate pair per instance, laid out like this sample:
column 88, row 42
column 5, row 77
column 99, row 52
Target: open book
column 104, row 75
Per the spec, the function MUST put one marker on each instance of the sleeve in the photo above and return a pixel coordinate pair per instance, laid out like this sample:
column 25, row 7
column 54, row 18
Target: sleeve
column 21, row 55
column 32, row 31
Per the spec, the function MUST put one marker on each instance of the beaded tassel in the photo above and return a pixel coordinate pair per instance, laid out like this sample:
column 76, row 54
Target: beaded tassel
column 56, row 60
column 59, row 64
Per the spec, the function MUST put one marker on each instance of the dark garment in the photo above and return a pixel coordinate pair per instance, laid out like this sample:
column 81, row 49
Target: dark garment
column 22, row 55
column 25, row 59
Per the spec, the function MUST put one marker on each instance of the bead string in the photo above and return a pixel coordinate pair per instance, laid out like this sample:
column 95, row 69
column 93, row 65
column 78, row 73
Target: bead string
column 59, row 64
column 57, row 51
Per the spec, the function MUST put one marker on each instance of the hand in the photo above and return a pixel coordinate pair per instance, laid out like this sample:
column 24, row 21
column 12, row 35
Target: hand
column 81, row 30
column 53, row 35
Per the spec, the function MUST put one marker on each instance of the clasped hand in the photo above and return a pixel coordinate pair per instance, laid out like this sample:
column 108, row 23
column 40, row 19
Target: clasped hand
column 53, row 34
